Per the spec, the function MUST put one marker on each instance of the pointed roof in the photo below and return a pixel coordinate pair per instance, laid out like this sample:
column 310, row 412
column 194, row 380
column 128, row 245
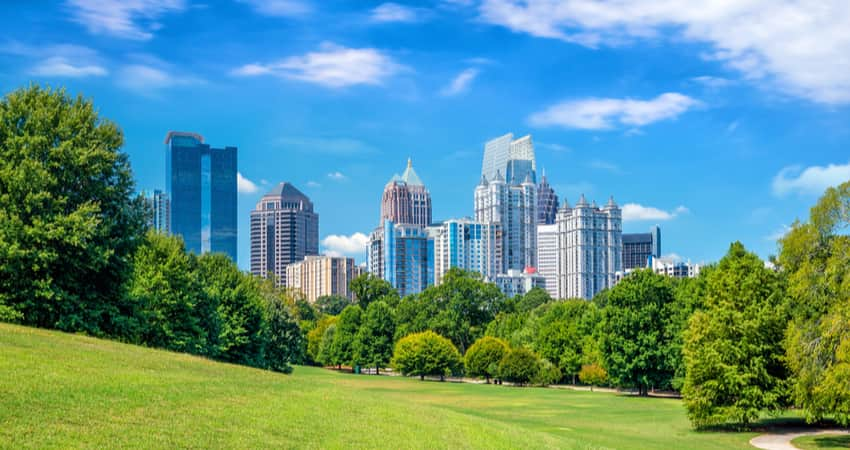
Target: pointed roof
column 499, row 176
column 581, row 201
column 527, row 179
column 483, row 181
column 287, row 191
column 410, row 177
column 611, row 202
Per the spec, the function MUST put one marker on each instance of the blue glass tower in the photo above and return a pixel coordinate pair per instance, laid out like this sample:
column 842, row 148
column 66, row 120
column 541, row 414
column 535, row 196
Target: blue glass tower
column 201, row 184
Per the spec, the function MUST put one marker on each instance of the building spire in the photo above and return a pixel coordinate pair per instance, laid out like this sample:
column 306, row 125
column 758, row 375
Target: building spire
column 409, row 163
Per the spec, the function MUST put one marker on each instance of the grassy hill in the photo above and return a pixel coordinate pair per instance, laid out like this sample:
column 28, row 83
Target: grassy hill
column 61, row 390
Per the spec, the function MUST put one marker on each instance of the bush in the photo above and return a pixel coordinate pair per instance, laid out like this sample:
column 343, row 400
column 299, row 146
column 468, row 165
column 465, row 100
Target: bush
column 426, row 353
column 483, row 357
column 519, row 366
column 547, row 374
column 592, row 374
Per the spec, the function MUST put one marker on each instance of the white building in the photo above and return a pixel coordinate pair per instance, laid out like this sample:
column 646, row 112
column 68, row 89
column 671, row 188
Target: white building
column 547, row 256
column 590, row 246
column 514, row 208
column 466, row 244
column 519, row 282
column 317, row 276
column 676, row 269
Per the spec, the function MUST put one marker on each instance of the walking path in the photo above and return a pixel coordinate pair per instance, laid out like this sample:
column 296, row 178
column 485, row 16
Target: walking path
column 782, row 441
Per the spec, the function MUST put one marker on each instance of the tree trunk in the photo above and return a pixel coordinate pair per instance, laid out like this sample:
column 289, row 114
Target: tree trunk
column 421, row 377
column 591, row 388
column 487, row 379
column 377, row 370
column 442, row 378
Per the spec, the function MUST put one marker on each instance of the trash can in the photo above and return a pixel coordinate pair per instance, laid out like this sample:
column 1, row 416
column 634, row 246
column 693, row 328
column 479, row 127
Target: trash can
column 357, row 369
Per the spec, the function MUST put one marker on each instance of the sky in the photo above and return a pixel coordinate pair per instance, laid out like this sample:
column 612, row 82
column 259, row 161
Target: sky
column 719, row 123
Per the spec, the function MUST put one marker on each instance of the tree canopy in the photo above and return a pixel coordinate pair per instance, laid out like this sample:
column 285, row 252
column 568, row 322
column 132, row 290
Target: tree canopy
column 426, row 354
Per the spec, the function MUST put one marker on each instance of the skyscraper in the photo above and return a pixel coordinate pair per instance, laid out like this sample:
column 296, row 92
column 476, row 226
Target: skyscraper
column 547, row 202
column 590, row 248
column 513, row 159
column 547, row 257
column 284, row 229
column 514, row 209
column 158, row 211
column 406, row 201
column 201, row 185
column 316, row 276
column 639, row 247
column 400, row 254
column 468, row 245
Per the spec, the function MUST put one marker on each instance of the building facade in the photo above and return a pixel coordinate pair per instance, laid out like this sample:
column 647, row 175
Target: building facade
column 590, row 248
column 547, row 257
column 640, row 248
column 157, row 211
column 284, row 230
column 519, row 282
column 317, row 276
column 547, row 203
column 513, row 159
column 675, row 269
column 514, row 209
column 201, row 185
column 466, row 244
column 400, row 254
column 405, row 200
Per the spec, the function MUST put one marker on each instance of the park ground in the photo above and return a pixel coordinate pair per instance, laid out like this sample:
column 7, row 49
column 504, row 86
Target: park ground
column 63, row 390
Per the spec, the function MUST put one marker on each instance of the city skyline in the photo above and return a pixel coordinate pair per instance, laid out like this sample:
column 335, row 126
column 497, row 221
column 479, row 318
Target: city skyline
column 710, row 148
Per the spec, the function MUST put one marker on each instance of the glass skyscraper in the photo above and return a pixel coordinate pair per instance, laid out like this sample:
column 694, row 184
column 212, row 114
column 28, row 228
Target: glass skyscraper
column 201, row 185
column 640, row 248
column 513, row 159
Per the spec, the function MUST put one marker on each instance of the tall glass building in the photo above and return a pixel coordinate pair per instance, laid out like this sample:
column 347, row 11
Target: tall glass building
column 547, row 202
column 201, row 185
column 514, row 208
column 468, row 245
column 400, row 254
column 513, row 159
column 157, row 211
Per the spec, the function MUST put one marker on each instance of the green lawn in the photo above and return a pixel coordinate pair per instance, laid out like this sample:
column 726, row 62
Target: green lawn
column 823, row 442
column 60, row 390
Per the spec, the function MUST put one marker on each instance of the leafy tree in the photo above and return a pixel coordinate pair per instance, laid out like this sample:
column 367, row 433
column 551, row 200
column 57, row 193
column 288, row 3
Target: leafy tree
column 519, row 366
column 593, row 375
column 562, row 333
column 483, row 357
column 341, row 350
column 373, row 345
column 689, row 296
column 368, row 288
column 284, row 341
column 332, row 304
column 69, row 221
column 547, row 373
column 815, row 256
column 426, row 353
column 733, row 349
column 532, row 299
column 314, row 336
column 325, row 355
column 631, row 331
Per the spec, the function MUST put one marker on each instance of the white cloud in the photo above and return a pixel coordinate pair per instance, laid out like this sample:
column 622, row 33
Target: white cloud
column 244, row 185
column 338, row 245
column 147, row 79
column 280, row 8
column 799, row 47
column 633, row 212
column 313, row 184
column 393, row 12
column 127, row 19
column 460, row 83
column 59, row 66
column 812, row 180
column 675, row 257
column 332, row 66
column 713, row 82
column 606, row 113
column 337, row 176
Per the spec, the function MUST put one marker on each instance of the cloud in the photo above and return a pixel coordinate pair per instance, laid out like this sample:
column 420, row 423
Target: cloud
column 713, row 82
column 329, row 146
column 332, row 66
column 812, row 180
column 606, row 113
column 339, row 245
column 553, row 147
column 798, row 47
column 147, row 79
column 674, row 257
column 126, row 19
column 313, row 184
column 279, row 8
column 64, row 60
column 337, row 176
column 778, row 234
column 59, row 66
column 393, row 12
column 244, row 185
column 460, row 83
column 633, row 212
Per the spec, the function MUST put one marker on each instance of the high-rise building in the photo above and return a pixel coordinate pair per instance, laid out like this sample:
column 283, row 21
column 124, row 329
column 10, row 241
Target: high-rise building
column 400, row 254
column 639, row 248
column 513, row 159
column 673, row 268
column 514, row 208
column 547, row 202
column 519, row 282
column 547, row 257
column 590, row 246
column 157, row 211
column 201, row 185
column 317, row 276
column 405, row 200
column 284, row 229
column 468, row 245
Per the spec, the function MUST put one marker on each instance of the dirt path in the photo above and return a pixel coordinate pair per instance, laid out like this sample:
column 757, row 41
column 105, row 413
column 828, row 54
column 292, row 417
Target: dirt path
column 782, row 441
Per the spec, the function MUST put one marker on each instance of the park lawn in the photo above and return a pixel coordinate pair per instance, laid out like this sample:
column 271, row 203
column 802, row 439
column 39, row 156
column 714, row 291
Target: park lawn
column 64, row 390
column 823, row 442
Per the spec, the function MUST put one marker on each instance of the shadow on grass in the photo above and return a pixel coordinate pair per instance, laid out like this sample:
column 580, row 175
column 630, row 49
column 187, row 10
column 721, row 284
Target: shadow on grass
column 834, row 441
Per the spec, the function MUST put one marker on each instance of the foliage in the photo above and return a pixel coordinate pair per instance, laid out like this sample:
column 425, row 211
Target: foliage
column 69, row 221
column 733, row 349
column 368, row 288
column 341, row 350
column 592, row 374
column 562, row 334
column 532, row 299
column 689, row 294
column 547, row 373
column 284, row 341
column 373, row 345
column 519, row 366
column 483, row 357
column 325, row 355
column 332, row 304
column 426, row 354
column 315, row 335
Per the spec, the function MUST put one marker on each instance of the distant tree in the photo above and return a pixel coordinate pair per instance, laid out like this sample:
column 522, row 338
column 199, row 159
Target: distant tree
column 562, row 333
column 519, row 366
column 373, row 344
column 593, row 375
column 532, row 299
column 426, row 354
column 283, row 337
column 518, row 329
column 69, row 220
column 483, row 357
column 332, row 304
column 733, row 349
column 547, row 373
column 631, row 331
column 342, row 348
column 325, row 354
column 315, row 335
column 689, row 294
column 368, row 288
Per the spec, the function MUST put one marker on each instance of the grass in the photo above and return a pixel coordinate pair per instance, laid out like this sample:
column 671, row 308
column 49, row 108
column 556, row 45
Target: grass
column 61, row 390
column 823, row 442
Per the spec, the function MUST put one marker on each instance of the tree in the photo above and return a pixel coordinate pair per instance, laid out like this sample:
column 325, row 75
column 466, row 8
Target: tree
column 325, row 355
column 314, row 337
column 483, row 357
column 562, row 333
column 426, row 354
column 283, row 338
column 547, row 373
column 332, row 304
column 341, row 350
column 631, row 331
column 69, row 221
column 519, row 366
column 368, row 288
column 733, row 349
column 815, row 256
column 373, row 345
column 532, row 299
column 593, row 375
column 689, row 296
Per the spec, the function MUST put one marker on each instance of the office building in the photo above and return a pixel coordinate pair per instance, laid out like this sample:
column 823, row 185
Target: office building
column 514, row 209
column 317, row 276
column 284, row 230
column 513, row 159
column 405, row 200
column 639, row 248
column 547, row 257
column 157, row 211
column 519, row 282
column 547, row 202
column 590, row 248
column 400, row 254
column 676, row 269
column 466, row 244
column 201, row 185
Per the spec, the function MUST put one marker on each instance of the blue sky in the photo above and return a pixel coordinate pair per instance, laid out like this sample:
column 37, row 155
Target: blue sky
column 719, row 124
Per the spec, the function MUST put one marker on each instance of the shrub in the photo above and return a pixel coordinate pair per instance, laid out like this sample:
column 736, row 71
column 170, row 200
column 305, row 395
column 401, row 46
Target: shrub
column 592, row 374
column 426, row 353
column 483, row 357
column 519, row 366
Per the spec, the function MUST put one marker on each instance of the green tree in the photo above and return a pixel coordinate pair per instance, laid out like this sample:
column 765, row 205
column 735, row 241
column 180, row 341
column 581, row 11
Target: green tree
column 426, row 354
column 733, row 349
column 562, row 333
column 283, row 338
column 368, row 288
column 631, row 331
column 689, row 296
column 547, row 373
column 314, row 337
column 593, row 375
column 332, row 304
column 373, row 345
column 483, row 357
column 325, row 355
column 341, row 350
column 519, row 366
column 532, row 299
column 69, row 221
